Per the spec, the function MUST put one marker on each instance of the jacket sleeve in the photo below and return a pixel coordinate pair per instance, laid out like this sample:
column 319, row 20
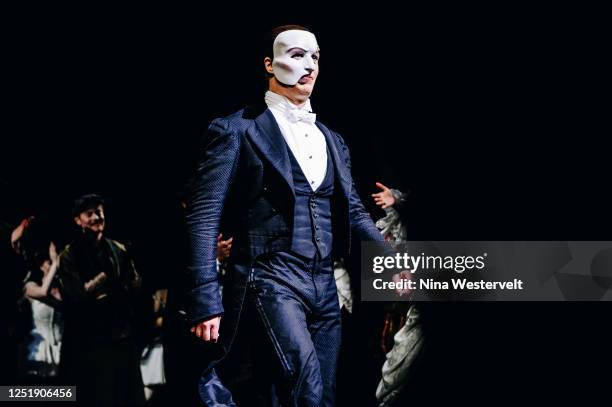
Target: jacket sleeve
column 214, row 174
column 71, row 286
column 132, row 280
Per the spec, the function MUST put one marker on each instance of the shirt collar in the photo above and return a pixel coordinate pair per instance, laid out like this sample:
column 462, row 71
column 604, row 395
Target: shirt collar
column 282, row 104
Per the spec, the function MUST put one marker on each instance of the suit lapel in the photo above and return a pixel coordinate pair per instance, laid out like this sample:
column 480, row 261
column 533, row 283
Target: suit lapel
column 341, row 171
column 266, row 135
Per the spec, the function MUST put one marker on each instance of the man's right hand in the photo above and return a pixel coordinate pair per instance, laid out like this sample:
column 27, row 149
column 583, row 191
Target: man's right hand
column 207, row 330
column 95, row 285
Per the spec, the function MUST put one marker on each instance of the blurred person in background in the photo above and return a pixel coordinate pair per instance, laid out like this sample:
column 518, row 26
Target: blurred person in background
column 98, row 283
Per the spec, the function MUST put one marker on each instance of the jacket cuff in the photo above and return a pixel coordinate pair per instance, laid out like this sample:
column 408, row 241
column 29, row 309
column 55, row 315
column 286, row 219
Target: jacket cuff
column 204, row 302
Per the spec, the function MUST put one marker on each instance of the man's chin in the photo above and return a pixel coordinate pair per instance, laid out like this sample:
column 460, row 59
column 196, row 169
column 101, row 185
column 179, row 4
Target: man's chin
column 304, row 88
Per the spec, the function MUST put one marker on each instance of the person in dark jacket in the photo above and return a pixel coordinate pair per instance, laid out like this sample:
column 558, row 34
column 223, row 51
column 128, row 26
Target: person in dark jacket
column 97, row 284
column 279, row 182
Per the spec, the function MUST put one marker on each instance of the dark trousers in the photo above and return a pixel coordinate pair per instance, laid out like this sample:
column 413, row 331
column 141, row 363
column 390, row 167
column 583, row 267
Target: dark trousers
column 295, row 303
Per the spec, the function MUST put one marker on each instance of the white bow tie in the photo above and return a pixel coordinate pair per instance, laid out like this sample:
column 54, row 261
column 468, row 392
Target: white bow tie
column 296, row 115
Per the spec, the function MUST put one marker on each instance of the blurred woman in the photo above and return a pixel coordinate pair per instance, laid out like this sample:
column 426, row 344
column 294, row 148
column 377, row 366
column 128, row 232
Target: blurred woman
column 42, row 345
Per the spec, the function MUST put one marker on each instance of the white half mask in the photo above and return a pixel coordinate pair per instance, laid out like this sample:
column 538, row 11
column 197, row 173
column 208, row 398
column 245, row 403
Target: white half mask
column 289, row 70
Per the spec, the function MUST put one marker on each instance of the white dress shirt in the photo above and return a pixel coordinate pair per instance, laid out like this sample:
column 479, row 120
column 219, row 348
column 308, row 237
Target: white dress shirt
column 303, row 137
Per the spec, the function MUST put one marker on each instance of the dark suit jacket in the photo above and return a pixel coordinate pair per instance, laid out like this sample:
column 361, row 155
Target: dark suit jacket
column 244, row 188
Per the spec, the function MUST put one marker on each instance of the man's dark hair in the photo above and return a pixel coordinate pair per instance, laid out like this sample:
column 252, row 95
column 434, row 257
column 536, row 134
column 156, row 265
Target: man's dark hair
column 271, row 37
column 86, row 202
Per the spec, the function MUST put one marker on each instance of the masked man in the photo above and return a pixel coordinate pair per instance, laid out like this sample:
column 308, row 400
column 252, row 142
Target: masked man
column 279, row 182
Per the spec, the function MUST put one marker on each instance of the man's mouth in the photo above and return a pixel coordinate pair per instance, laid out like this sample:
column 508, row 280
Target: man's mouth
column 306, row 79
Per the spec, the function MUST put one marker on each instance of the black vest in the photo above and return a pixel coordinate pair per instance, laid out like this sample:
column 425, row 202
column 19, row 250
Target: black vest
column 312, row 223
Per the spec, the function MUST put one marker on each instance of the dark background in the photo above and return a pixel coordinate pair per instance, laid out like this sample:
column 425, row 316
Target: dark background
column 496, row 120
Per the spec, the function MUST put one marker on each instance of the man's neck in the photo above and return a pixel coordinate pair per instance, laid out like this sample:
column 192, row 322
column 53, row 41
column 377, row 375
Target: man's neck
column 298, row 101
column 93, row 239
